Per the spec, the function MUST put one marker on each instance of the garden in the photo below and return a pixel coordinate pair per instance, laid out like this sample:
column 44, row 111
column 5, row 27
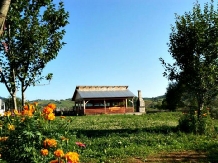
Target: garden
column 37, row 135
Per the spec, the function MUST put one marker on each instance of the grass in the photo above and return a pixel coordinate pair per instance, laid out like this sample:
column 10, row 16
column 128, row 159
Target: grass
column 115, row 138
column 133, row 138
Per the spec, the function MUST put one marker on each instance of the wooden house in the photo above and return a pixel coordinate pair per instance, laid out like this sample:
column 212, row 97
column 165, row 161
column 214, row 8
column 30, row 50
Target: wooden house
column 102, row 100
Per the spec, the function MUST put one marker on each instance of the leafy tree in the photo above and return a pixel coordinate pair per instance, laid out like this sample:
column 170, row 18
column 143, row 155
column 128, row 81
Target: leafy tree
column 173, row 96
column 36, row 30
column 194, row 47
column 4, row 6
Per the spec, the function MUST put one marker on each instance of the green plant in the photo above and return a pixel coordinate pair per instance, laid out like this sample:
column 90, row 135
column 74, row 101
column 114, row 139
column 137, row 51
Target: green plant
column 190, row 122
column 32, row 136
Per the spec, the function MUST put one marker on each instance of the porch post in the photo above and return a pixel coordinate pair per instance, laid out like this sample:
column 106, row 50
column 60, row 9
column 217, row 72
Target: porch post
column 104, row 106
column 84, row 107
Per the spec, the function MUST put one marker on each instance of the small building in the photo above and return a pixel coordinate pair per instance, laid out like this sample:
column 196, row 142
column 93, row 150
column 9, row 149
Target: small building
column 102, row 100
column 2, row 106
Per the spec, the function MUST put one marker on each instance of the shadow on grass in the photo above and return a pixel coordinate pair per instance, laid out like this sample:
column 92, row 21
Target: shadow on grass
column 125, row 132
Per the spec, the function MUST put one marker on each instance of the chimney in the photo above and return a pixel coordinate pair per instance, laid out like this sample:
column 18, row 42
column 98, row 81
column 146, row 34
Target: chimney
column 140, row 103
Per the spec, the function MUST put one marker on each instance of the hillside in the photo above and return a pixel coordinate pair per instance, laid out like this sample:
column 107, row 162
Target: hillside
column 67, row 103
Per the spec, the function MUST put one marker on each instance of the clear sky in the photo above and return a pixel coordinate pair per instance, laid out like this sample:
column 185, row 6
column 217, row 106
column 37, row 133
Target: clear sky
column 112, row 42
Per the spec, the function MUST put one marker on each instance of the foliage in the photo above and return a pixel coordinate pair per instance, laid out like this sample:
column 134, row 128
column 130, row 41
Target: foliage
column 189, row 122
column 193, row 45
column 31, row 40
column 33, row 135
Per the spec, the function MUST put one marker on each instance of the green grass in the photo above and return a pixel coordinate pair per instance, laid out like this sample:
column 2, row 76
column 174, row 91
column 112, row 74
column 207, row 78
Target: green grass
column 113, row 138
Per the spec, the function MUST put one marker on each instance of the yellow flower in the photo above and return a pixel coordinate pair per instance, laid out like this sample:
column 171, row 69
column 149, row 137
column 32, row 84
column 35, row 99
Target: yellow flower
column 72, row 157
column 3, row 138
column 50, row 116
column 44, row 152
column 59, row 153
column 11, row 127
column 7, row 113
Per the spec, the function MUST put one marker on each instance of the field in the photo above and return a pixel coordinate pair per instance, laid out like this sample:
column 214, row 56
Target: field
column 140, row 138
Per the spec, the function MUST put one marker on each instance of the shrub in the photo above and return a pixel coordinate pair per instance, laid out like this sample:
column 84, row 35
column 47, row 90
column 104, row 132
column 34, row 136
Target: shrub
column 190, row 123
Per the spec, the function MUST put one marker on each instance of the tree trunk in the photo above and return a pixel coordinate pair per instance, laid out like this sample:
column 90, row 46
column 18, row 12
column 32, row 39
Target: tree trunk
column 23, row 94
column 4, row 7
column 14, row 101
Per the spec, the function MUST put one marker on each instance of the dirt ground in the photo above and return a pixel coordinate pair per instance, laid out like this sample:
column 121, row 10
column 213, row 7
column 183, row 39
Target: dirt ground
column 173, row 157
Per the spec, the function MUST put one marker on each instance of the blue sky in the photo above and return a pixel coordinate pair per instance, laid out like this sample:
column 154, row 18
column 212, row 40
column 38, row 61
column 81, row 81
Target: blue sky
column 112, row 42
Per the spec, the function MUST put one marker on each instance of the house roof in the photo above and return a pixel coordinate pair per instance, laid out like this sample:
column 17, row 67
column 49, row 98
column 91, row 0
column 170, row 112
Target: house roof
column 89, row 92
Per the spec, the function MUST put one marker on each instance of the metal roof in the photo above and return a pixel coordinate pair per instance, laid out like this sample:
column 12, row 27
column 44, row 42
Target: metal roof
column 103, row 94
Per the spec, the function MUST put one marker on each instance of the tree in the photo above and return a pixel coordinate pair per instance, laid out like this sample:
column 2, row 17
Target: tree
column 173, row 96
column 33, row 39
column 4, row 6
column 194, row 47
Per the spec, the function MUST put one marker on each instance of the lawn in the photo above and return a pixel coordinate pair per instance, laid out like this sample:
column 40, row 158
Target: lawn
column 135, row 138
column 116, row 139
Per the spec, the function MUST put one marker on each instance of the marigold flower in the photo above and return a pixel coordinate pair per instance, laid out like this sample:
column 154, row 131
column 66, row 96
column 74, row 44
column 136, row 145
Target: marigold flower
column 44, row 152
column 50, row 116
column 50, row 143
column 7, row 113
column 26, row 107
column 59, row 153
column 27, row 113
column 11, row 127
column 62, row 117
column 72, row 157
column 52, row 106
column 47, row 110
column 80, row 144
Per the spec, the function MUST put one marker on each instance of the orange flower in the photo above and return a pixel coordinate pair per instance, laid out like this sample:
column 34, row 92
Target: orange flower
column 26, row 107
column 47, row 110
column 3, row 138
column 52, row 106
column 11, row 127
column 7, row 113
column 50, row 116
column 62, row 117
column 50, row 143
column 204, row 114
column 59, row 153
column 44, row 152
column 27, row 113
column 72, row 157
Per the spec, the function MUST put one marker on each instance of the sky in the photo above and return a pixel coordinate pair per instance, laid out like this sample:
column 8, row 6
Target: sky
column 112, row 43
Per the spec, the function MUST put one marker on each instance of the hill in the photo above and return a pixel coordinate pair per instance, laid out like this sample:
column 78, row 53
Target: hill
column 67, row 103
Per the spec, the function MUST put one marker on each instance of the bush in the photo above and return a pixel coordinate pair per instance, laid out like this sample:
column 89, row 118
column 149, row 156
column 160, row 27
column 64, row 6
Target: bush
column 190, row 123
column 30, row 136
